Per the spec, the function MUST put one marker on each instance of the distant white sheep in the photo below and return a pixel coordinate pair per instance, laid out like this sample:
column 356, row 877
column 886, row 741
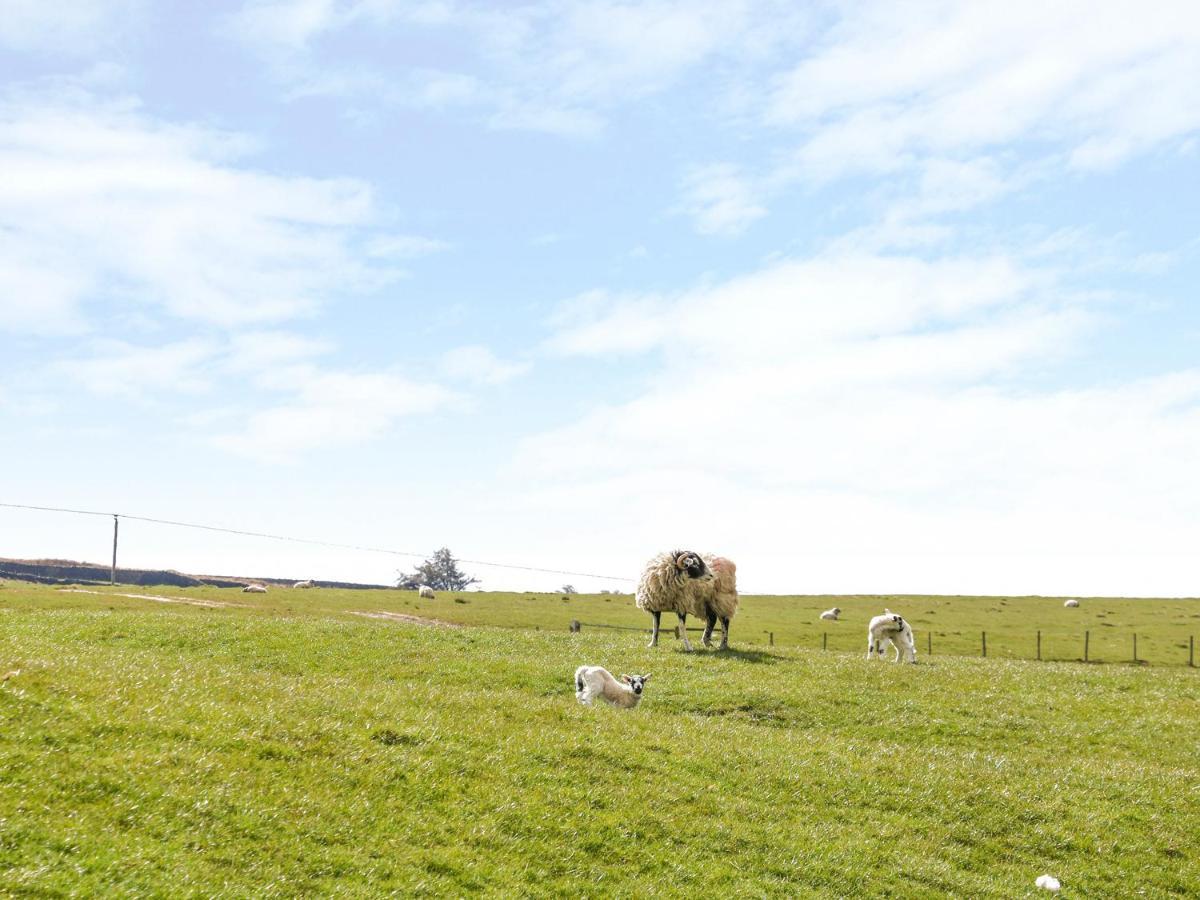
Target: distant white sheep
column 304, row 584
column 1071, row 604
column 596, row 681
column 425, row 592
column 891, row 629
column 254, row 589
column 831, row 615
column 1048, row 883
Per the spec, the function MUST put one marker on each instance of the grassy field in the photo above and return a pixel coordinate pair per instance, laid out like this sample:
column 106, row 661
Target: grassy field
column 291, row 747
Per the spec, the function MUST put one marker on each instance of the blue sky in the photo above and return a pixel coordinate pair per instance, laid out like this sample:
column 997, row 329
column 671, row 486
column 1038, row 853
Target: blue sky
column 867, row 296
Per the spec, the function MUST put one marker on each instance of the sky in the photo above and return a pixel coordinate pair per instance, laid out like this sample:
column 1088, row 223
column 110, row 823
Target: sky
column 888, row 297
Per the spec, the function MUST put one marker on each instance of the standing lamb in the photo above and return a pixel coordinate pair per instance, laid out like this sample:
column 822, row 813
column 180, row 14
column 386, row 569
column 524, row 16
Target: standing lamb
column 597, row 681
column 891, row 629
column 684, row 582
column 831, row 614
column 425, row 592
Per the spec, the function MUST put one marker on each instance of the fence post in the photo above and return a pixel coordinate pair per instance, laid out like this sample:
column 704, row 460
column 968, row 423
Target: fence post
column 1191, row 651
column 1135, row 646
column 770, row 638
column 984, row 635
column 112, row 577
column 1086, row 635
column 575, row 626
column 929, row 643
column 824, row 640
column 1039, row 656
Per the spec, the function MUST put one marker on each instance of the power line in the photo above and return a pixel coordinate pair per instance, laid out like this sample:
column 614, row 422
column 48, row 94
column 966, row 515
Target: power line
column 308, row 541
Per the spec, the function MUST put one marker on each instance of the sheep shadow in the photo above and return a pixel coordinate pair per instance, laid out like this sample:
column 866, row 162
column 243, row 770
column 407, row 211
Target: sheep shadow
column 758, row 657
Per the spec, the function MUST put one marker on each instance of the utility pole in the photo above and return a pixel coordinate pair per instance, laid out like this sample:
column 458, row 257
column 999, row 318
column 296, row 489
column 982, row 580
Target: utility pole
column 112, row 578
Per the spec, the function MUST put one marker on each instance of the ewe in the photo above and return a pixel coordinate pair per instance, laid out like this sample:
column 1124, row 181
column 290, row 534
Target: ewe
column 597, row 681
column 684, row 582
column 891, row 629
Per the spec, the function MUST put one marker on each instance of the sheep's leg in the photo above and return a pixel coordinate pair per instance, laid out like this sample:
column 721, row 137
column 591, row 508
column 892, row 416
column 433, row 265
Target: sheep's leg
column 708, row 629
column 724, row 633
column 655, row 616
column 687, row 645
column 870, row 647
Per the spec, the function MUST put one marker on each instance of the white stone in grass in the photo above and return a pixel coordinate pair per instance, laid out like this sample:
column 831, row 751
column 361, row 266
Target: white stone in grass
column 1049, row 883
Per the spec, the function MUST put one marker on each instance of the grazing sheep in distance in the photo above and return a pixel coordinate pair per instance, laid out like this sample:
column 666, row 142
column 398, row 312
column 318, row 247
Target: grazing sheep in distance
column 891, row 629
column 425, row 592
column 254, row 589
column 668, row 584
column 304, row 584
column 1071, row 604
column 831, row 614
column 597, row 681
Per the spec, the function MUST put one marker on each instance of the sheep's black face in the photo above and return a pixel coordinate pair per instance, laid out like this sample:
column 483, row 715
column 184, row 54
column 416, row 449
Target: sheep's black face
column 692, row 565
column 636, row 682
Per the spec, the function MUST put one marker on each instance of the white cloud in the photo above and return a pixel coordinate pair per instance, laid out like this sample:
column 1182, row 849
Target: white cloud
column 720, row 199
column 480, row 365
column 870, row 423
column 332, row 408
column 73, row 27
column 405, row 246
column 940, row 78
column 544, row 66
column 102, row 201
column 122, row 369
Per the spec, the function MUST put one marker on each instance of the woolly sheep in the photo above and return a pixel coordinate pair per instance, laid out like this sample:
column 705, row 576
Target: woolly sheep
column 684, row 582
column 596, row 681
column 303, row 584
column 425, row 592
column 891, row 629
column 254, row 589
column 831, row 614
column 1071, row 604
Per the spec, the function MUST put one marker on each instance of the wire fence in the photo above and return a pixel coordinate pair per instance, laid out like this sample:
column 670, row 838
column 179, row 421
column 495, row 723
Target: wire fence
column 1117, row 648
column 262, row 535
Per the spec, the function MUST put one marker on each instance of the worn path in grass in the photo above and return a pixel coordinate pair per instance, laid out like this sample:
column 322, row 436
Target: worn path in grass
column 150, row 749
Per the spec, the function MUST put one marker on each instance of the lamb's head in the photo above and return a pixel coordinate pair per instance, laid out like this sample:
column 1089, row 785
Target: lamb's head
column 837, row 610
column 636, row 682
column 691, row 565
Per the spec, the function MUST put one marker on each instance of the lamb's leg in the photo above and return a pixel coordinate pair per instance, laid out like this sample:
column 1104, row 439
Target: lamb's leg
column 655, row 616
column 870, row 647
column 687, row 645
column 708, row 629
column 724, row 633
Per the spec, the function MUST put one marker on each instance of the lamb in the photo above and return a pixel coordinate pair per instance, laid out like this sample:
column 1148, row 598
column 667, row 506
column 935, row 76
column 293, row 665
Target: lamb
column 304, row 584
column 597, row 681
column 254, row 589
column 1071, row 604
column 425, row 592
column 831, row 614
column 684, row 582
column 891, row 629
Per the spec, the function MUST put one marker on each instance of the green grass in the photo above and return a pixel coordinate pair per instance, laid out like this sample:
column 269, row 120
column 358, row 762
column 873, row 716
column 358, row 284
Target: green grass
column 289, row 748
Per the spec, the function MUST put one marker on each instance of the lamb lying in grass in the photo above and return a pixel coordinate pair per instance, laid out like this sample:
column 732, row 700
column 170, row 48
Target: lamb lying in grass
column 831, row 615
column 597, row 681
